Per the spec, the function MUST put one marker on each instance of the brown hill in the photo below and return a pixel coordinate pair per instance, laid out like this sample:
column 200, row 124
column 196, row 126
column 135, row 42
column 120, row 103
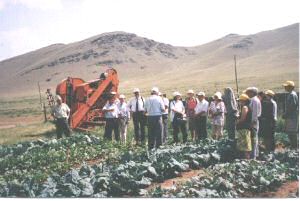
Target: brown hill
column 264, row 59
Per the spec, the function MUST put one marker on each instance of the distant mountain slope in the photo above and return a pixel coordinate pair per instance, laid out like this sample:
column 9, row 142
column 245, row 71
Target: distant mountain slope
column 265, row 59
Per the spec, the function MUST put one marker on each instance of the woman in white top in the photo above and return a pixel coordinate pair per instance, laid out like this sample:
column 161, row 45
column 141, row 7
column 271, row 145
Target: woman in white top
column 124, row 117
column 216, row 112
column 178, row 117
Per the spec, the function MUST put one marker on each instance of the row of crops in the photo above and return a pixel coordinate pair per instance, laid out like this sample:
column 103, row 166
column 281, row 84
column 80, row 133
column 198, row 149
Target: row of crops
column 48, row 169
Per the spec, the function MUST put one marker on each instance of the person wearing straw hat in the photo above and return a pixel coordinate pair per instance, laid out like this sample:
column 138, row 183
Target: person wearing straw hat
column 111, row 114
column 216, row 112
column 201, row 116
column 291, row 113
column 124, row 117
column 190, row 105
column 137, row 109
column 255, row 106
column 243, row 126
column 154, row 107
column 61, row 113
column 268, row 120
column 178, row 117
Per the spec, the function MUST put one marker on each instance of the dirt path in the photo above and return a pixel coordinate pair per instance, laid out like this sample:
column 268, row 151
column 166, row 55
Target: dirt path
column 287, row 190
column 184, row 177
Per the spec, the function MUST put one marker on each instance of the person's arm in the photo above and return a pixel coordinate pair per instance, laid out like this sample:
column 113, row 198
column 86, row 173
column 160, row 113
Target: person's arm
column 105, row 109
column 162, row 105
column 68, row 110
column 275, row 110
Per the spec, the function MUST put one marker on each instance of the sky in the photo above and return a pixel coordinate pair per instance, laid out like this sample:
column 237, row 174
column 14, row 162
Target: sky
column 27, row 25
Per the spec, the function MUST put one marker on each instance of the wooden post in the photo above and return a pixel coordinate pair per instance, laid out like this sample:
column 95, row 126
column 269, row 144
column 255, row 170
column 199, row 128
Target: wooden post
column 45, row 112
column 236, row 80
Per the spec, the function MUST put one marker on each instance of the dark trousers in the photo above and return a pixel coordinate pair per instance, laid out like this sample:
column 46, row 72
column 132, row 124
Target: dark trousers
column 201, row 127
column 165, row 127
column 267, row 131
column 179, row 125
column 139, row 123
column 62, row 126
column 231, row 126
column 154, row 131
column 112, row 124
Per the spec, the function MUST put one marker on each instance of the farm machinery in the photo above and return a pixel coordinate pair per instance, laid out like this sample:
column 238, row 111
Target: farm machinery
column 86, row 99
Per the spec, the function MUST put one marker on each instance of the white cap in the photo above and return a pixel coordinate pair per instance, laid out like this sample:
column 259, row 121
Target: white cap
column 58, row 97
column 218, row 95
column 113, row 93
column 136, row 90
column 122, row 96
column 155, row 89
column 176, row 93
column 253, row 89
column 201, row 93
column 159, row 93
column 190, row 91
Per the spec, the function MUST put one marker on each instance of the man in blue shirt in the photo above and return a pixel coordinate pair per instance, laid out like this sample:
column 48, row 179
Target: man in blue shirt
column 154, row 107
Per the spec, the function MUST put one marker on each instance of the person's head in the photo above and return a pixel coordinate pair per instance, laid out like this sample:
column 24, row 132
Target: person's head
column 228, row 91
column 112, row 96
column 136, row 92
column 190, row 93
column 48, row 90
column 164, row 95
column 269, row 94
column 244, row 99
column 251, row 91
column 218, row 96
column 154, row 91
column 58, row 99
column 289, row 86
column 160, row 94
column 261, row 95
column 176, row 95
column 201, row 96
column 122, row 98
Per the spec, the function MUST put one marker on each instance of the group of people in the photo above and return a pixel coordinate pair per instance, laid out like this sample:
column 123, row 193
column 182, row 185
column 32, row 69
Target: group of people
column 251, row 115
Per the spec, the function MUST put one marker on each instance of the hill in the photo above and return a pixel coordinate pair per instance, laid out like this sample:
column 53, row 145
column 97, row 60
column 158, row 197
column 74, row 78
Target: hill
column 265, row 59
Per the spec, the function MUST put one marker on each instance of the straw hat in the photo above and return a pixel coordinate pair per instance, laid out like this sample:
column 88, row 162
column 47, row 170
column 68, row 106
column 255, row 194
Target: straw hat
column 176, row 93
column 58, row 97
column 289, row 83
column 244, row 97
column 270, row 93
column 218, row 95
column 190, row 91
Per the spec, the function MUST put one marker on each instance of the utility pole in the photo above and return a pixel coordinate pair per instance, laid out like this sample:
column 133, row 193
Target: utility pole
column 236, row 80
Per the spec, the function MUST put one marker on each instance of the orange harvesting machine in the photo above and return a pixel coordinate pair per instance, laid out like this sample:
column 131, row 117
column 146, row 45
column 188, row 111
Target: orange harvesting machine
column 86, row 99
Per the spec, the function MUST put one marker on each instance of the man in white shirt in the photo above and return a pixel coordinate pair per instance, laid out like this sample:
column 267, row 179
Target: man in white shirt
column 165, row 117
column 61, row 113
column 154, row 107
column 136, row 106
column 111, row 114
column 255, row 106
column 124, row 116
column 201, row 116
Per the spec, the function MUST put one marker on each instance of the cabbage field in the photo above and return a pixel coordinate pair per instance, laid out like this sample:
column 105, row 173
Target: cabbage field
column 86, row 166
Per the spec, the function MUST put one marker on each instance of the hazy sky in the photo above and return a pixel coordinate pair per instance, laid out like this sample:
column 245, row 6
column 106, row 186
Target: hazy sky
column 27, row 25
